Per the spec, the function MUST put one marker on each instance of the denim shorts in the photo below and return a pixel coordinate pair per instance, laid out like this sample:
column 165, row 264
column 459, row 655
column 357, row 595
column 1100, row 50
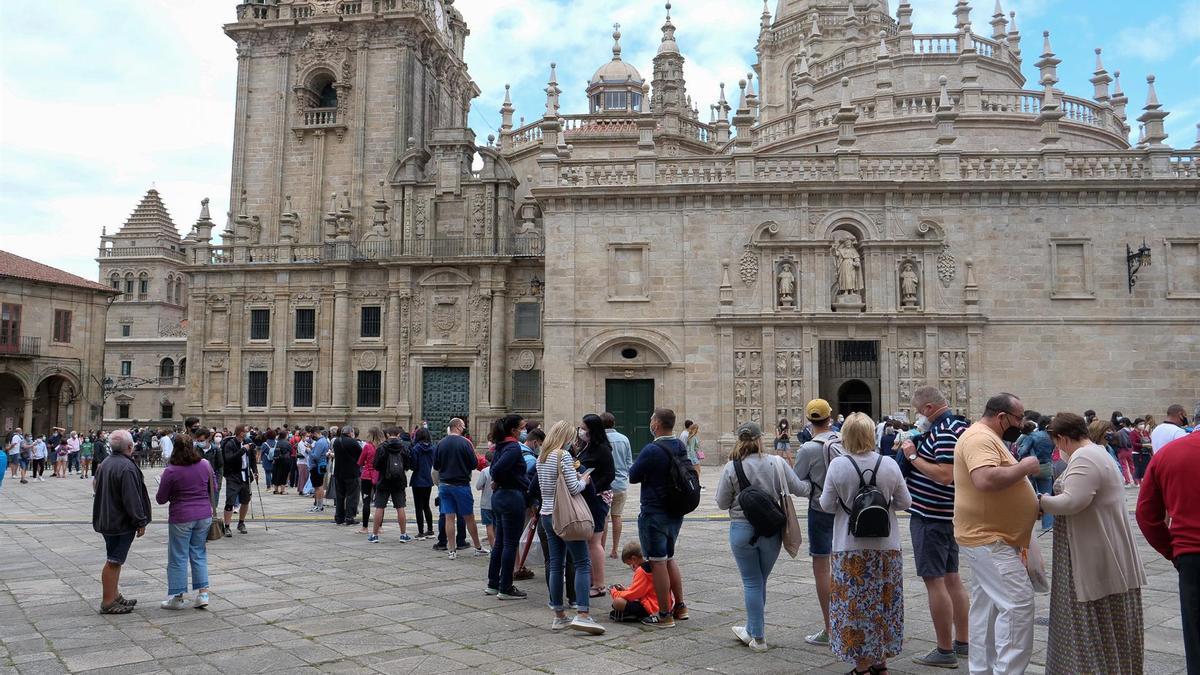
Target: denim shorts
column 456, row 499
column 117, row 547
column 485, row 516
column 820, row 533
column 657, row 533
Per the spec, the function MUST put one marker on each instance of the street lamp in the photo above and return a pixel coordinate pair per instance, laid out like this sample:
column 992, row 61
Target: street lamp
column 1134, row 260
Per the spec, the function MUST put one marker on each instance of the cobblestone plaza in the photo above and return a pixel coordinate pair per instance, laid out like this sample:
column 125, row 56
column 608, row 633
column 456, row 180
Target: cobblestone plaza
column 309, row 597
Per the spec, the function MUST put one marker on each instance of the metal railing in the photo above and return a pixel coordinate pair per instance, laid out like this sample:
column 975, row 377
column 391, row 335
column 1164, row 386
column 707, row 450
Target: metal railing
column 25, row 345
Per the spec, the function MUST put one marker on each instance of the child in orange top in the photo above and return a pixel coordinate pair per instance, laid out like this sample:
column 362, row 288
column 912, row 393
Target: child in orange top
column 639, row 600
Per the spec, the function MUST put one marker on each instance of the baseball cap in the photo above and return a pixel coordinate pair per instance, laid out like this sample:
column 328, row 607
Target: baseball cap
column 818, row 409
column 749, row 430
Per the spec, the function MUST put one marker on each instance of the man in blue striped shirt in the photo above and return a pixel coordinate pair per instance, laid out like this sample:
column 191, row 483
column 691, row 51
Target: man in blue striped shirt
column 928, row 464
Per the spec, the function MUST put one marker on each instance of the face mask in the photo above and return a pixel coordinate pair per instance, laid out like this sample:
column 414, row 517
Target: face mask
column 583, row 434
column 922, row 423
column 524, row 436
column 1142, row 427
column 1011, row 434
column 216, row 439
column 203, row 445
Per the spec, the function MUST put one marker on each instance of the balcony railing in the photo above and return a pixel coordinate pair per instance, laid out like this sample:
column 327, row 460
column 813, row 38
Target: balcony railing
column 320, row 117
column 140, row 252
column 23, row 346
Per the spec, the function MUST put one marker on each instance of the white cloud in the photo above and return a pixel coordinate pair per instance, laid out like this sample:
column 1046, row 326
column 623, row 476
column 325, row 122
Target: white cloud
column 1163, row 36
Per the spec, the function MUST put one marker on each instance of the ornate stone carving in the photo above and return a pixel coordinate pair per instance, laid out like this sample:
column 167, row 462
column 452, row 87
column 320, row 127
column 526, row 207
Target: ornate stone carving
column 418, row 317
column 797, row 363
column 257, row 362
column 481, row 322
column 739, row 364
column 960, row 364
column 781, row 364
column 748, row 265
column 786, row 285
column 756, row 364
column 944, row 369
column 214, row 362
column 945, row 266
column 848, row 276
column 446, row 314
column 755, row 392
column 909, row 285
column 477, row 210
column 419, row 218
column 526, row 360
column 368, row 360
column 919, row 364
column 902, row 362
column 740, row 392
column 302, row 361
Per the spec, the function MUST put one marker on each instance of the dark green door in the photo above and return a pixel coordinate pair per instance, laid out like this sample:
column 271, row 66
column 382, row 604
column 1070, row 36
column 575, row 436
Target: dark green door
column 445, row 393
column 632, row 403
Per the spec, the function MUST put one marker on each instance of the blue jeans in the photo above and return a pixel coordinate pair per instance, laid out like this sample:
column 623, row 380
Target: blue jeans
column 583, row 567
column 508, row 517
column 186, row 543
column 1044, row 486
column 754, row 561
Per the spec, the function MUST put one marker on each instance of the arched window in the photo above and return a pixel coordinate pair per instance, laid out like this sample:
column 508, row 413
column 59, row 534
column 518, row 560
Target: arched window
column 179, row 291
column 166, row 369
column 115, row 280
column 326, row 95
column 129, row 285
column 143, row 285
column 182, row 368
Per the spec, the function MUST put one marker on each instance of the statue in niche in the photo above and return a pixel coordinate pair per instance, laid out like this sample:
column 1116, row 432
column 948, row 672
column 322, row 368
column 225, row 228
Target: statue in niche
column 781, row 364
column 787, row 286
column 781, row 390
column 849, row 278
column 905, row 391
column 944, row 364
column 962, row 392
column 797, row 364
column 739, row 392
column 909, row 285
column 797, row 395
column 960, row 364
column 904, row 363
column 755, row 364
column 919, row 364
column 755, row 392
column 739, row 364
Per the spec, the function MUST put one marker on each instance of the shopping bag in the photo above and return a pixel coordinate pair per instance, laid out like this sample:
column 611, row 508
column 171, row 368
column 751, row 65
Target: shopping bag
column 530, row 544
column 1035, row 565
column 792, row 539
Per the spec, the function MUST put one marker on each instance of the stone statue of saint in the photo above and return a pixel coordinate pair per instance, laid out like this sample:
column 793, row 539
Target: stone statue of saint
column 849, row 267
column 739, row 392
column 739, row 364
column 781, row 364
column 787, row 286
column 909, row 284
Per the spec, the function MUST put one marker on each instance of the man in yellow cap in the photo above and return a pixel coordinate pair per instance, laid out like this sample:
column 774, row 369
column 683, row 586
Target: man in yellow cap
column 811, row 462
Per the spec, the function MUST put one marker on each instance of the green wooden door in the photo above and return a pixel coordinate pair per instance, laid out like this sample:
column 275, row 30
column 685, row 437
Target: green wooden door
column 632, row 403
column 445, row 393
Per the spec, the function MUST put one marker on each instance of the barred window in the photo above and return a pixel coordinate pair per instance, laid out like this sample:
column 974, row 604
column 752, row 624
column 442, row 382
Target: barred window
column 62, row 325
column 369, row 385
column 126, row 330
column 527, row 390
column 256, row 389
column 126, row 368
column 528, row 321
column 302, row 389
column 166, row 410
column 306, row 324
column 371, row 327
column 260, row 324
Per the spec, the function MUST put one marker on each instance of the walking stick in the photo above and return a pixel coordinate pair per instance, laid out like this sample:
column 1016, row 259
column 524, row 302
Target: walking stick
column 261, row 508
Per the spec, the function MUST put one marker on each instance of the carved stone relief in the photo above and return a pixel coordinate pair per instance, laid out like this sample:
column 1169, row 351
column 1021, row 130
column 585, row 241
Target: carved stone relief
column 748, row 384
column 785, row 284
column 748, row 266
column 789, row 394
column 945, row 266
column 910, row 285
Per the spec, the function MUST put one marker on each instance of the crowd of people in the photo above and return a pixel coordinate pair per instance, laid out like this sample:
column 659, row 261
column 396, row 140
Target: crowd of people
column 974, row 492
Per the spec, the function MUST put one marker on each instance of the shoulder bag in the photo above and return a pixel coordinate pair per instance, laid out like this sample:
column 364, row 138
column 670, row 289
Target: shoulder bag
column 792, row 538
column 572, row 519
column 215, row 529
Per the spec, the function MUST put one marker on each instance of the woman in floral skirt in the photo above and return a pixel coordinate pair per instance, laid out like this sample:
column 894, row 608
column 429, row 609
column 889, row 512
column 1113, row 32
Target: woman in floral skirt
column 866, row 606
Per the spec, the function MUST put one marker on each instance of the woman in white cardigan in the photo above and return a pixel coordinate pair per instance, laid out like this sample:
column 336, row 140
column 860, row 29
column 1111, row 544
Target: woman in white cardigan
column 1095, row 596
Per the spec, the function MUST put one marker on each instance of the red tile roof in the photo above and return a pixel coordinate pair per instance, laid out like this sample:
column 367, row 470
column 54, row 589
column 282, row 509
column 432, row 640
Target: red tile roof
column 17, row 267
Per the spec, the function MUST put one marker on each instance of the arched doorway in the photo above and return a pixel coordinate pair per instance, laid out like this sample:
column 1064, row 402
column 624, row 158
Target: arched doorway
column 54, row 404
column 12, row 402
column 855, row 396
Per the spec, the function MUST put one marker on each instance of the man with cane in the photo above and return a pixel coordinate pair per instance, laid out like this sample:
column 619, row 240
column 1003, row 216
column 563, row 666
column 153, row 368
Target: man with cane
column 240, row 470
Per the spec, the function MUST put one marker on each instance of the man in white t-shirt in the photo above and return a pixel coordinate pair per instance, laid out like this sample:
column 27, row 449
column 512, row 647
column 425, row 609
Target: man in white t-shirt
column 167, row 446
column 1170, row 429
column 13, row 448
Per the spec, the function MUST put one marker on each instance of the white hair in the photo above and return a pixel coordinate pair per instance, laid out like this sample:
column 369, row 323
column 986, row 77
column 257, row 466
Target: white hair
column 121, row 440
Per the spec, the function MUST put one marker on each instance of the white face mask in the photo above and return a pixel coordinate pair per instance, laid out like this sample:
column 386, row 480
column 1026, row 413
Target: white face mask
column 583, row 435
column 922, row 423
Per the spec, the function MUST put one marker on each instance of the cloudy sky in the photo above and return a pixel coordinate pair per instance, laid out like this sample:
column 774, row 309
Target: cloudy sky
column 103, row 98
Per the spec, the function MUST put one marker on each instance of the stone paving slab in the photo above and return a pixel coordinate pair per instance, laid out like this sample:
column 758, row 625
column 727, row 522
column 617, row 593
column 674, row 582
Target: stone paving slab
column 300, row 595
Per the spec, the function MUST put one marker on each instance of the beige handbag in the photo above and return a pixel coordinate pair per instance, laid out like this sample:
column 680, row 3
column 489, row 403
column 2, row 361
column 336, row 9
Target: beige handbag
column 571, row 517
column 792, row 538
column 216, row 529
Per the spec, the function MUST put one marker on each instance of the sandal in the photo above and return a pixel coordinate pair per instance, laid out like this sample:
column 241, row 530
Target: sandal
column 125, row 601
column 877, row 670
column 117, row 607
column 598, row 592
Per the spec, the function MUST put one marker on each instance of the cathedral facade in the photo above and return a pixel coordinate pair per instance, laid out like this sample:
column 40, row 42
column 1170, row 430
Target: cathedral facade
column 870, row 210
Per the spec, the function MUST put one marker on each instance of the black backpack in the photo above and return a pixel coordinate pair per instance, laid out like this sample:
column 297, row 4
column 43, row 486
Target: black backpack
column 394, row 468
column 683, row 484
column 760, row 507
column 869, row 510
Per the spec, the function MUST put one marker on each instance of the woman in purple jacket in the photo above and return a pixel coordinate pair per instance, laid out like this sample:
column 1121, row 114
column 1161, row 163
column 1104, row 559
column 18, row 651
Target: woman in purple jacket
column 186, row 484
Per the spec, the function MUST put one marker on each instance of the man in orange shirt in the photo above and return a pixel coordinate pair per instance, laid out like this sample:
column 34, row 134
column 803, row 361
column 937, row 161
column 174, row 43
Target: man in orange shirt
column 994, row 512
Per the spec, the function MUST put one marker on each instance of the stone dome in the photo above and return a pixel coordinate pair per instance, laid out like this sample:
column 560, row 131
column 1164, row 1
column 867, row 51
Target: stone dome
column 616, row 71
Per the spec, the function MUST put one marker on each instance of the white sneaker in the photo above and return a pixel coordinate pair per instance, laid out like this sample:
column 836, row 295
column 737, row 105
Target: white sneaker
column 201, row 600
column 758, row 645
column 586, row 624
column 560, row 623
column 482, row 551
column 741, row 634
column 174, row 602
column 452, row 555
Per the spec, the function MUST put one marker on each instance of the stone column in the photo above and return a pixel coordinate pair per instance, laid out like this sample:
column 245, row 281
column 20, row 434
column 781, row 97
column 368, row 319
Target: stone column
column 497, row 363
column 27, row 417
column 197, row 335
column 341, row 342
column 768, row 361
column 279, row 338
column 237, row 322
column 393, row 336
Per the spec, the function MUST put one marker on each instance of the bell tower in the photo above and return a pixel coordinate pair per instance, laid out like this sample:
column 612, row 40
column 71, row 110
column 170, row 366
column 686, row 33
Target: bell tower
column 329, row 94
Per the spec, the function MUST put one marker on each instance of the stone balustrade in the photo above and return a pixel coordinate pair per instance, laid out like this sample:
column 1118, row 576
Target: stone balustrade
column 517, row 246
column 907, row 167
column 248, row 12
column 140, row 252
column 320, row 117
column 605, row 126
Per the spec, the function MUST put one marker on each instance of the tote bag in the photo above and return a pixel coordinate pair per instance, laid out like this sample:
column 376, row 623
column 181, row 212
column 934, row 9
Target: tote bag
column 572, row 518
column 215, row 529
column 791, row 528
